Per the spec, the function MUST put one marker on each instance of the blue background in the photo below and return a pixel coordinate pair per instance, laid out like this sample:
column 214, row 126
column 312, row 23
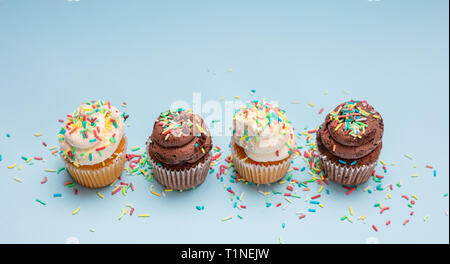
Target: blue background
column 56, row 54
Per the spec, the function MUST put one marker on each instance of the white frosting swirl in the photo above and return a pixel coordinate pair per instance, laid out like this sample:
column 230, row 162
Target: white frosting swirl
column 264, row 132
column 92, row 133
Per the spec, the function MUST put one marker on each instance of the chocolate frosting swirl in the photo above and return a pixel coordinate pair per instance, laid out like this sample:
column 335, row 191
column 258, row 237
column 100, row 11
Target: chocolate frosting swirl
column 179, row 138
column 347, row 140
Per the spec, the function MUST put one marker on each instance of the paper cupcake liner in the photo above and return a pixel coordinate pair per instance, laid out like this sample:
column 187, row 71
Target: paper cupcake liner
column 101, row 177
column 181, row 179
column 346, row 175
column 258, row 173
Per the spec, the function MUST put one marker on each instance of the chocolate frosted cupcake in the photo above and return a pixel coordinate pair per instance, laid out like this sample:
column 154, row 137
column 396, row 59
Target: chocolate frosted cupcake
column 180, row 149
column 349, row 142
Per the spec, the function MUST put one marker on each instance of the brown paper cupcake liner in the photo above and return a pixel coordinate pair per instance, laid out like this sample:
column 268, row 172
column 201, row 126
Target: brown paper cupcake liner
column 181, row 179
column 257, row 173
column 346, row 175
column 101, row 177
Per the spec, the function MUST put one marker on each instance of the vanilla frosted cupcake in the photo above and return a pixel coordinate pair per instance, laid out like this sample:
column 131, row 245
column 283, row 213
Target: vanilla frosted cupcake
column 93, row 144
column 263, row 142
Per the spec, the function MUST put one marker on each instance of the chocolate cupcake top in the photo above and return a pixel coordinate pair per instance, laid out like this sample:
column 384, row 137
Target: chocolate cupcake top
column 179, row 137
column 352, row 130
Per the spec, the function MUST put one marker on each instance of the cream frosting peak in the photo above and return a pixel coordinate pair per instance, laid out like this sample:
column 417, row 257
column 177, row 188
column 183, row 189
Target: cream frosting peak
column 92, row 133
column 264, row 131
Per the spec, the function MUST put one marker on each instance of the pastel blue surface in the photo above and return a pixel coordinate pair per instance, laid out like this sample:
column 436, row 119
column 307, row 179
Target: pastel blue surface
column 56, row 54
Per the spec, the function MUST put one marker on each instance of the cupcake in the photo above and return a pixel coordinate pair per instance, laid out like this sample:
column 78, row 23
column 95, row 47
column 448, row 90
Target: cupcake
column 349, row 142
column 93, row 144
column 263, row 143
column 179, row 149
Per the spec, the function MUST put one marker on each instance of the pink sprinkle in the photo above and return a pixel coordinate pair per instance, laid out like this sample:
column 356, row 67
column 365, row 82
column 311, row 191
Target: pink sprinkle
column 61, row 121
column 44, row 181
column 302, row 216
column 321, row 110
column 131, row 211
column 375, row 228
column 384, row 209
column 38, row 158
column 45, row 144
column 406, row 197
column 406, row 221
column 388, row 222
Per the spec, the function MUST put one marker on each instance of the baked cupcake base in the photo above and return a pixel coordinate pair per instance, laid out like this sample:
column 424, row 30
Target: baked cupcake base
column 181, row 179
column 348, row 174
column 99, row 175
column 258, row 172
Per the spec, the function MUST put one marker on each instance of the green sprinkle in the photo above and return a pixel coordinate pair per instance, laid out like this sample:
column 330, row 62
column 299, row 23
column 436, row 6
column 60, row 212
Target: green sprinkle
column 41, row 202
column 343, row 218
column 61, row 169
column 136, row 148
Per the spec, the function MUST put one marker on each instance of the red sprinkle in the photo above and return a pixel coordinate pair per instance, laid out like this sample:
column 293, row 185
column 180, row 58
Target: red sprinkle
column 290, row 188
column 44, row 181
column 351, row 190
column 406, row 221
column 406, row 197
column 279, row 204
column 321, row 110
column 388, row 222
column 131, row 211
column 132, row 186
column 315, row 197
column 375, row 228
column 45, row 144
column 38, row 158
column 76, row 191
column 302, row 216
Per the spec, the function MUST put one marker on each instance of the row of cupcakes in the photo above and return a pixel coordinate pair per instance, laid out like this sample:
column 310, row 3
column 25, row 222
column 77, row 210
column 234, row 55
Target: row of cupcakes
column 93, row 144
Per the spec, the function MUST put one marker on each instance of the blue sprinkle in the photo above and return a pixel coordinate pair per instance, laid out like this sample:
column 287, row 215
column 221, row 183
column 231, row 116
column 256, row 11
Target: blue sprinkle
column 343, row 162
column 57, row 195
column 353, row 163
column 312, row 210
column 434, row 172
column 314, row 202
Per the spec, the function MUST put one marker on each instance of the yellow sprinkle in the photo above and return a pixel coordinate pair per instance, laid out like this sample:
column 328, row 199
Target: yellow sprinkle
column 287, row 199
column 12, row 166
column 414, row 196
column 153, row 192
column 241, row 196
column 389, row 195
column 123, row 190
column 311, row 104
column 143, row 215
column 321, row 205
column 226, row 218
column 76, row 211
column 363, row 218
column 320, row 189
column 38, row 134
column 425, row 218
column 415, row 175
column 281, row 182
column 52, row 148
column 100, row 195
column 50, row 170
column 237, row 97
column 338, row 126
column 351, row 210
column 203, row 150
column 382, row 162
column 18, row 179
column 19, row 167
column 168, row 190
column 129, row 205
column 124, row 212
column 230, row 70
column 376, row 116
column 325, row 93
